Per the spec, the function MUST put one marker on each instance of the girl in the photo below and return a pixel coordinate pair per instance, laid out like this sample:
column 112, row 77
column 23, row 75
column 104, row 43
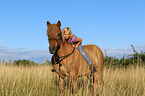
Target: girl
column 76, row 42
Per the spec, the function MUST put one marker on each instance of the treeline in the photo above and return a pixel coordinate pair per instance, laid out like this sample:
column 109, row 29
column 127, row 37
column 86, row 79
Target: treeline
column 132, row 59
column 24, row 63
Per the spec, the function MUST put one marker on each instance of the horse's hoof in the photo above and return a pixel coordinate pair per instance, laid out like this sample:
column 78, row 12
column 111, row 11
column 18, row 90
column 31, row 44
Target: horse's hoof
column 53, row 70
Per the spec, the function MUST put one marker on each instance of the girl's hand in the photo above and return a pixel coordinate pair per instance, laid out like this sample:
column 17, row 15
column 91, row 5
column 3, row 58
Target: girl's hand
column 73, row 45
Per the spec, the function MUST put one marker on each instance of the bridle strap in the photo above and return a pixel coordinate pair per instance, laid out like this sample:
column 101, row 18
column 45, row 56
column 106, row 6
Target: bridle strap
column 59, row 60
column 63, row 57
column 54, row 39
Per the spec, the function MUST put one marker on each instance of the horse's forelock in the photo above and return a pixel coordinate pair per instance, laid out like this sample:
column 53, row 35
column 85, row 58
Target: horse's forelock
column 51, row 29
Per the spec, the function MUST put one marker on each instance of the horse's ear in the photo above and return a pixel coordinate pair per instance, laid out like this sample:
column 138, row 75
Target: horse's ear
column 62, row 36
column 58, row 23
column 48, row 23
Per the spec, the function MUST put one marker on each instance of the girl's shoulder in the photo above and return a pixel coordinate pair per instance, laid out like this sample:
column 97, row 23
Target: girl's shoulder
column 74, row 38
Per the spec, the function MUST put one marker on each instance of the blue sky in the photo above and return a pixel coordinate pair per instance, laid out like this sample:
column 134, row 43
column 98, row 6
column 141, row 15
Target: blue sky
column 109, row 24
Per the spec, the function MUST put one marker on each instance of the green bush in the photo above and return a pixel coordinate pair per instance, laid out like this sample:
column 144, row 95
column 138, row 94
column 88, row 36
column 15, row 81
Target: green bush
column 24, row 63
column 132, row 59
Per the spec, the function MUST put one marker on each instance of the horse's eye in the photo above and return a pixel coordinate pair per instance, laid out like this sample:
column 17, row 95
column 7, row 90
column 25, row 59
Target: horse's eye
column 58, row 35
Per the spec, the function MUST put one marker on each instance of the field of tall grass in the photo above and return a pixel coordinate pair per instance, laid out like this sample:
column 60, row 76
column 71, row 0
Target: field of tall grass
column 40, row 81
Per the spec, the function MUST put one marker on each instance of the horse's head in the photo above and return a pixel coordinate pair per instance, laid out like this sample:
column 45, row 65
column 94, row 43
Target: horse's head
column 55, row 36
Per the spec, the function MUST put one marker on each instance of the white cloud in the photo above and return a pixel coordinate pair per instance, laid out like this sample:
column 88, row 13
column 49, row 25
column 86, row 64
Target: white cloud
column 42, row 55
column 19, row 54
column 118, row 53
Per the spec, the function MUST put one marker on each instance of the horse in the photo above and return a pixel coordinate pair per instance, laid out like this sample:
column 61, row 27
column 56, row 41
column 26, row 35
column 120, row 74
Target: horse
column 67, row 60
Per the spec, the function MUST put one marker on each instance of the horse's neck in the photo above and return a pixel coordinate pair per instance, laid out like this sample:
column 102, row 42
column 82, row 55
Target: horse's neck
column 65, row 49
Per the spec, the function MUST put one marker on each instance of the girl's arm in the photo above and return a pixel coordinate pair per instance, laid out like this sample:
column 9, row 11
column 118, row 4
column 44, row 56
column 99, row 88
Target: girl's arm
column 79, row 40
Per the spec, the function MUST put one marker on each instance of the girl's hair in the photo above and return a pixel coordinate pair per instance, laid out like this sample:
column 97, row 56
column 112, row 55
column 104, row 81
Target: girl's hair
column 67, row 29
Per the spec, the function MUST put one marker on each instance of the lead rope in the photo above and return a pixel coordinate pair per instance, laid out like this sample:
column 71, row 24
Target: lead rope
column 63, row 57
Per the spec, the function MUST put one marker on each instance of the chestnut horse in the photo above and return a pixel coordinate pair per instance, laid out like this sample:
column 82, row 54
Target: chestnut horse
column 67, row 61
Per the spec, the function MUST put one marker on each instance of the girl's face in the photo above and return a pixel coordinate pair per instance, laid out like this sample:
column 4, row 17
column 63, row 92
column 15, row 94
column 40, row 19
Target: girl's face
column 66, row 35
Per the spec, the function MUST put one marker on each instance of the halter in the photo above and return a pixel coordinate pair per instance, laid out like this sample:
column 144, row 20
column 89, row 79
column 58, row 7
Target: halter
column 62, row 57
column 54, row 39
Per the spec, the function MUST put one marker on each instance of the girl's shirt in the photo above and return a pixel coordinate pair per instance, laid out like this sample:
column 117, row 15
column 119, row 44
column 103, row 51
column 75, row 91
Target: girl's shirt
column 72, row 41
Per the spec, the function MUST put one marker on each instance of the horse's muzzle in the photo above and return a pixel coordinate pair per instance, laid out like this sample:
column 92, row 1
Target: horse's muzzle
column 52, row 49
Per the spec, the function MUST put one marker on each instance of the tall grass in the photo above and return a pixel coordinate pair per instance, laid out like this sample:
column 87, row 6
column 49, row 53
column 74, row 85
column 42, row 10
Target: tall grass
column 120, row 82
column 40, row 81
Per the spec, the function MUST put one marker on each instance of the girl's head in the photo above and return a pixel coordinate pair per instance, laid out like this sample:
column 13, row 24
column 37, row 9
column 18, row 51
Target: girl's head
column 67, row 33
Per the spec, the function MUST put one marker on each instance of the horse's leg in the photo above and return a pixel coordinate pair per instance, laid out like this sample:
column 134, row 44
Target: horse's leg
column 98, row 81
column 74, row 81
column 60, row 81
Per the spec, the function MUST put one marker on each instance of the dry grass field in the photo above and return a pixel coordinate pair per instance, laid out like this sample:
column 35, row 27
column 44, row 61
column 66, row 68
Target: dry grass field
column 40, row 81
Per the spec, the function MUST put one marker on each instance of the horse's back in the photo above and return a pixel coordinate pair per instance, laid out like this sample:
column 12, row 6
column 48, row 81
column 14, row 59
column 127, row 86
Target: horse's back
column 95, row 54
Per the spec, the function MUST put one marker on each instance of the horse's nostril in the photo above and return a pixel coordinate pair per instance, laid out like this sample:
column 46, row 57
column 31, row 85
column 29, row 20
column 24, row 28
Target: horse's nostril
column 52, row 49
